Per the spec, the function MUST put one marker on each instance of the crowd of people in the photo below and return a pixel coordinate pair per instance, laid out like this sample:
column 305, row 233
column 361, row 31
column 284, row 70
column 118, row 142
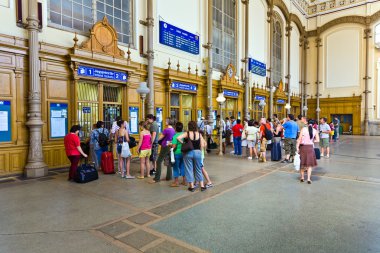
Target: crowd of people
column 294, row 135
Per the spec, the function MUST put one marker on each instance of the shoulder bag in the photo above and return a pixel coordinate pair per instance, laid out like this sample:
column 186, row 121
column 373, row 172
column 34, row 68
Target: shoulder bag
column 187, row 144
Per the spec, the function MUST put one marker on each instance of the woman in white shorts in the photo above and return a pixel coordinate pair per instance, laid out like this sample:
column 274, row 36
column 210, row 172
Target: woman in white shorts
column 251, row 133
column 244, row 142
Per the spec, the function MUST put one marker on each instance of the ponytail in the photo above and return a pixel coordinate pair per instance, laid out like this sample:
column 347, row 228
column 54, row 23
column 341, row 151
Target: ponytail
column 310, row 131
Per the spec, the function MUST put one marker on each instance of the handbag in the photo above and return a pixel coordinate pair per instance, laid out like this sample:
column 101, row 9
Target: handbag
column 297, row 162
column 125, row 151
column 187, row 145
column 132, row 142
column 172, row 159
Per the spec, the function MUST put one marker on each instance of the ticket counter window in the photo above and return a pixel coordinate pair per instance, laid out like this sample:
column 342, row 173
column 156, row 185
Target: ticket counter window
column 111, row 104
column 181, row 108
column 88, row 106
column 280, row 111
column 229, row 108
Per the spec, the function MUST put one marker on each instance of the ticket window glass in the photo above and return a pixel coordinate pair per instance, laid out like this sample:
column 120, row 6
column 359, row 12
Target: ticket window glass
column 181, row 108
column 295, row 110
column 88, row 106
column 111, row 104
column 280, row 111
column 229, row 108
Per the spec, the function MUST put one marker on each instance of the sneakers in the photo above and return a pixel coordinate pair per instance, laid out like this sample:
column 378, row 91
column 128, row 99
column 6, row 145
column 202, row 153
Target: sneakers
column 328, row 156
column 232, row 152
column 322, row 155
column 129, row 177
column 209, row 185
column 152, row 172
column 285, row 161
column 249, row 158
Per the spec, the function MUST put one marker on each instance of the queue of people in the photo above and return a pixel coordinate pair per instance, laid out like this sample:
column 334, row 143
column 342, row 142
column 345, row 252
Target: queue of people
column 294, row 135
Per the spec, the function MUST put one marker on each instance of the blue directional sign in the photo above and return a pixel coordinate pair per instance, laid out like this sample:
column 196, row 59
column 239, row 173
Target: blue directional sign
column 257, row 67
column 177, row 38
column 259, row 97
column 280, row 101
column 231, row 93
column 102, row 73
column 184, row 86
column 86, row 109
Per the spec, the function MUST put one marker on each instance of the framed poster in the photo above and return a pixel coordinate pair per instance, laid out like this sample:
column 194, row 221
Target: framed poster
column 134, row 119
column 5, row 121
column 58, row 120
column 214, row 118
column 159, row 117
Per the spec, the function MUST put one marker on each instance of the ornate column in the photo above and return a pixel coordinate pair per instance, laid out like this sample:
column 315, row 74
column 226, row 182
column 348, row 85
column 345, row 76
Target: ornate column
column 305, row 48
column 246, row 59
column 209, row 65
column 270, row 21
column 318, row 45
column 367, row 33
column 301, row 43
column 35, row 166
column 288, row 34
column 149, row 23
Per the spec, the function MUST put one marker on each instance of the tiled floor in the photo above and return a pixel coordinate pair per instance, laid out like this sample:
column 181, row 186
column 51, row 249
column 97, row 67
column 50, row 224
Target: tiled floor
column 252, row 208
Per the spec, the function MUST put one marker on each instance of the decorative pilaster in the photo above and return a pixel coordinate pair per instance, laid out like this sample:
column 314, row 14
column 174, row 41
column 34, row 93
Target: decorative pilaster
column 35, row 166
column 367, row 36
column 270, row 81
column 305, row 48
column 288, row 34
column 318, row 45
column 301, row 42
column 246, row 59
column 149, row 23
column 210, row 117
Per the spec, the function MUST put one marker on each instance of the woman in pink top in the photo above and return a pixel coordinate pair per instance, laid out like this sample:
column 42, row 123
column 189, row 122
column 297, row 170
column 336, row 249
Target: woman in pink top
column 305, row 146
column 144, row 148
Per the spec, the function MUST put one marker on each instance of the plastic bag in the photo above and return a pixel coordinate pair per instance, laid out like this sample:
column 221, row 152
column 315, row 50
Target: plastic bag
column 125, row 151
column 172, row 159
column 297, row 162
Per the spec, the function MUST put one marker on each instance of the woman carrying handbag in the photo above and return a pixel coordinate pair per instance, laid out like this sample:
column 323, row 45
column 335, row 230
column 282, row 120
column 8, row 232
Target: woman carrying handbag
column 305, row 147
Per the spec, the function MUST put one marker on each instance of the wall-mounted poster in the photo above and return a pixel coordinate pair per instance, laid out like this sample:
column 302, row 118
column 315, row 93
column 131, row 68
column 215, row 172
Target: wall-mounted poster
column 58, row 120
column 134, row 119
column 159, row 118
column 5, row 121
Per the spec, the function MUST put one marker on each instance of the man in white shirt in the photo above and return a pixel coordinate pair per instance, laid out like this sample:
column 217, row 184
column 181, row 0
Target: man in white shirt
column 201, row 123
column 324, row 130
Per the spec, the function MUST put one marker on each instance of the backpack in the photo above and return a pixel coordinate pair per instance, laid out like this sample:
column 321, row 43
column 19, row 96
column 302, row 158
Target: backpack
column 268, row 133
column 102, row 139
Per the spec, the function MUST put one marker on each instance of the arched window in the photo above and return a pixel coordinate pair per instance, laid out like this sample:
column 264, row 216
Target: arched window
column 224, row 33
column 277, row 53
column 377, row 36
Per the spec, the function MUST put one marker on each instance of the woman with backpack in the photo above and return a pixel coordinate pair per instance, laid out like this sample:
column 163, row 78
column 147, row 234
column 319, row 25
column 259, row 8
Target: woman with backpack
column 100, row 139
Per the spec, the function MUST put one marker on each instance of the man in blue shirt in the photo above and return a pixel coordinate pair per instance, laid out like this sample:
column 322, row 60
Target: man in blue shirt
column 290, row 133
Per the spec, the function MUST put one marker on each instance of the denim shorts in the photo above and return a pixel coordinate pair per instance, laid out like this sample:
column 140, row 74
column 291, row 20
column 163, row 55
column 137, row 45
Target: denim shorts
column 119, row 147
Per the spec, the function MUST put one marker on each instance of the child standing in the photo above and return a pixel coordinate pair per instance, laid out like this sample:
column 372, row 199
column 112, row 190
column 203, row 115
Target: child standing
column 144, row 148
column 179, row 166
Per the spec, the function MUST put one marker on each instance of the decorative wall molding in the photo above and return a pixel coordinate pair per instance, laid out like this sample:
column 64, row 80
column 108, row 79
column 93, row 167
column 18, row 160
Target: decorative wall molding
column 361, row 20
column 103, row 39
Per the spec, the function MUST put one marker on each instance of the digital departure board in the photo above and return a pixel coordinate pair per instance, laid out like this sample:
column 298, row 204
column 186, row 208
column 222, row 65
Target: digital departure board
column 257, row 67
column 178, row 38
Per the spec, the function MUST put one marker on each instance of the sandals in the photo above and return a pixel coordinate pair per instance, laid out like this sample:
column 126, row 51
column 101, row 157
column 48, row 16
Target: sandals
column 191, row 189
column 302, row 180
column 140, row 177
column 174, row 185
column 308, row 181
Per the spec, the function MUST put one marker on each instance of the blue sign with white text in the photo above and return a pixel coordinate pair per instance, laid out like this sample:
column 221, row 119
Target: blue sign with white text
column 102, row 73
column 5, row 121
column 257, row 67
column 86, row 109
column 231, row 93
column 280, row 101
column 259, row 97
column 184, row 86
column 178, row 38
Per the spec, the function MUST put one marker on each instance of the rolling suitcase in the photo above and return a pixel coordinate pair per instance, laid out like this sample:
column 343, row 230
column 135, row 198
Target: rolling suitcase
column 86, row 173
column 106, row 163
column 317, row 153
column 275, row 153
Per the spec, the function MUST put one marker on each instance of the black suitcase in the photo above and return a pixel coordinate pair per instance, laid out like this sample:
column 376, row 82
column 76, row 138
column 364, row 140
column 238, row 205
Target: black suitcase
column 317, row 153
column 275, row 153
column 86, row 173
